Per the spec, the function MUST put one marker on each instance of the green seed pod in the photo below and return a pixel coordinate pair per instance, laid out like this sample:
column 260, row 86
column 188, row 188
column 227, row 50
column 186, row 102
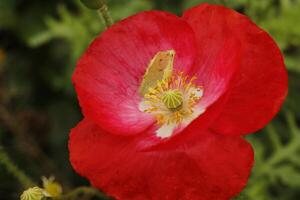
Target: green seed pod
column 172, row 99
column 93, row 4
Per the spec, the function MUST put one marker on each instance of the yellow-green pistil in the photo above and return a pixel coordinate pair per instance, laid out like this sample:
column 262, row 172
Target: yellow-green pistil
column 172, row 99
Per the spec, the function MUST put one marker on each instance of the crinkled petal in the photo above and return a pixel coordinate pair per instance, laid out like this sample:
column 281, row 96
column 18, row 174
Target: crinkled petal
column 260, row 87
column 208, row 167
column 109, row 74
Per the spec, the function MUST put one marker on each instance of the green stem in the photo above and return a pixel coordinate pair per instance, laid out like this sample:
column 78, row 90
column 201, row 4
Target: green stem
column 79, row 191
column 14, row 170
column 105, row 14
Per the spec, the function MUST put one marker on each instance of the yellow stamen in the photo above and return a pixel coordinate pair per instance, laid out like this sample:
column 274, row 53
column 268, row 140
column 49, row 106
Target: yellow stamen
column 168, row 95
column 172, row 100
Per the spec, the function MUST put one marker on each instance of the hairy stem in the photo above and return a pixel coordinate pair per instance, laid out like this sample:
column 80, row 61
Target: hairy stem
column 105, row 14
column 83, row 190
column 14, row 170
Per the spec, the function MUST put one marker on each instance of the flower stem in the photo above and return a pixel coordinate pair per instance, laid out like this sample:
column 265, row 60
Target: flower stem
column 81, row 190
column 14, row 170
column 105, row 14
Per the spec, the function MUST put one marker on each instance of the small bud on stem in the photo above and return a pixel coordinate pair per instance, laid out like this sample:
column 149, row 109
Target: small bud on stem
column 102, row 8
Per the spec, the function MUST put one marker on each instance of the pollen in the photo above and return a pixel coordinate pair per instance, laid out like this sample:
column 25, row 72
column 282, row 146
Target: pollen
column 172, row 99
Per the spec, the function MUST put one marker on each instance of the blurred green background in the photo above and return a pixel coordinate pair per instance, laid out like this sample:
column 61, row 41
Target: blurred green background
column 40, row 42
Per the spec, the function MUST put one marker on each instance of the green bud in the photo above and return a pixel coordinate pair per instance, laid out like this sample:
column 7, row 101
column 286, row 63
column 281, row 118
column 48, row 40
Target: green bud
column 93, row 4
column 34, row 193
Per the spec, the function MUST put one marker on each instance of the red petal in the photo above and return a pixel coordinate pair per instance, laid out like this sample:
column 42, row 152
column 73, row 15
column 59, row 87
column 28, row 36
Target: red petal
column 217, row 56
column 261, row 85
column 109, row 74
column 209, row 167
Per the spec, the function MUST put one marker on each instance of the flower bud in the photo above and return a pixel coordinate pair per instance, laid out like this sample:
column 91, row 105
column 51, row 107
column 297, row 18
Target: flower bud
column 34, row 193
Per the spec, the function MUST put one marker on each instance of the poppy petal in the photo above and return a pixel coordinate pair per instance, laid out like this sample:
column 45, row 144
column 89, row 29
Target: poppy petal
column 218, row 53
column 260, row 87
column 108, row 76
column 212, row 166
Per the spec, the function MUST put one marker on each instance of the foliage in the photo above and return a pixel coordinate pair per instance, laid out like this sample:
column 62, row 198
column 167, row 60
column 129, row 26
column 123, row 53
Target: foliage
column 40, row 42
column 276, row 173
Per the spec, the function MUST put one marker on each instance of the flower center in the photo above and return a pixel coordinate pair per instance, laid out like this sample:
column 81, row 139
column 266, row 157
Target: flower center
column 173, row 99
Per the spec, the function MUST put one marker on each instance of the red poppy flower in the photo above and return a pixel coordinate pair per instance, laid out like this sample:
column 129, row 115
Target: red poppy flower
column 154, row 129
